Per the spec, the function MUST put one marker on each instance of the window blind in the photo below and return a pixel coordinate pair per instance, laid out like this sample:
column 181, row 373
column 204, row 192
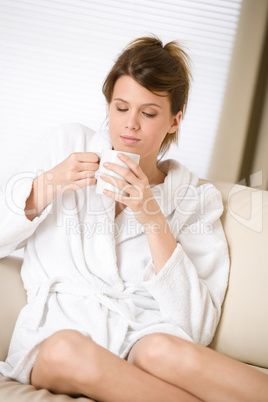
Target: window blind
column 55, row 55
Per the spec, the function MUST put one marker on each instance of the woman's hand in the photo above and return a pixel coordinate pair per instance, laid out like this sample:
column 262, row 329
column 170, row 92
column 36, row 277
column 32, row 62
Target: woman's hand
column 139, row 197
column 75, row 172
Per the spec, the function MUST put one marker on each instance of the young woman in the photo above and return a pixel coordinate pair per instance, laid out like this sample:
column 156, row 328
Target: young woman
column 124, row 291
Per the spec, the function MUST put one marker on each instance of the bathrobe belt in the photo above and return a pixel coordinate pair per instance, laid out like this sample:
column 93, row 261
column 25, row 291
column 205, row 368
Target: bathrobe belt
column 109, row 297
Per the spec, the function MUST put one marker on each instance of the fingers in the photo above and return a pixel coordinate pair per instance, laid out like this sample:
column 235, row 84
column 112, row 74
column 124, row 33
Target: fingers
column 78, row 184
column 89, row 181
column 134, row 167
column 92, row 167
column 84, row 175
column 117, row 197
column 83, row 162
column 130, row 189
column 90, row 157
column 134, row 182
column 126, row 174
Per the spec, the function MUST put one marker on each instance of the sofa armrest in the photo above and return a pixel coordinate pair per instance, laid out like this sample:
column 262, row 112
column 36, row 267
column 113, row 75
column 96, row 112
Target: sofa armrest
column 12, row 299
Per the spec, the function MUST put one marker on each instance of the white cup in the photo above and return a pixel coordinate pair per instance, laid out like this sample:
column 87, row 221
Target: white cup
column 109, row 155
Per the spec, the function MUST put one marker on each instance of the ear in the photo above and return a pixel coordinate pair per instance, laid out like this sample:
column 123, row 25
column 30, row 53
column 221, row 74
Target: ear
column 175, row 122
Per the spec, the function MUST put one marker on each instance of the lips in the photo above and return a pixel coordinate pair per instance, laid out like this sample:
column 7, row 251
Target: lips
column 129, row 140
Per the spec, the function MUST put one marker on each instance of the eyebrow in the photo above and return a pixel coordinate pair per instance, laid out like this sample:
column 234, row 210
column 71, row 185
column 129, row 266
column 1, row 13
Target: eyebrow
column 145, row 104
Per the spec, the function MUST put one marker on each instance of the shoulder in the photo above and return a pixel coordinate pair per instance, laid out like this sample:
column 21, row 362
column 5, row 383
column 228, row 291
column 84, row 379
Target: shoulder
column 183, row 179
column 186, row 195
column 210, row 201
column 58, row 144
column 208, row 191
column 66, row 139
column 71, row 132
column 76, row 137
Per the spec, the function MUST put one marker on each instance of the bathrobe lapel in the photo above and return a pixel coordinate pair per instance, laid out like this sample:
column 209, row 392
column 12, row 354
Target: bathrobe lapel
column 103, row 241
column 127, row 226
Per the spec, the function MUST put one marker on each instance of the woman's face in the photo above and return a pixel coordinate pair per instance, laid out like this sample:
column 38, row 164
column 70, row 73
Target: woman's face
column 139, row 120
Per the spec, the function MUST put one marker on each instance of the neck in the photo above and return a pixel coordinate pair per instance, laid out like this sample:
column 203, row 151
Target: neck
column 155, row 176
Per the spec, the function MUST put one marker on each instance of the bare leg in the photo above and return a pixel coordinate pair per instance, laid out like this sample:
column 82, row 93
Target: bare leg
column 72, row 364
column 201, row 371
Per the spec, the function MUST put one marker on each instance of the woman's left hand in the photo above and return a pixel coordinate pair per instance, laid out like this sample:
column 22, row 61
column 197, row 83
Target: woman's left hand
column 139, row 197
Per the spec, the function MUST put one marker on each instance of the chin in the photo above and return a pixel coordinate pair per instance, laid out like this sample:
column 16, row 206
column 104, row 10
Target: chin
column 126, row 148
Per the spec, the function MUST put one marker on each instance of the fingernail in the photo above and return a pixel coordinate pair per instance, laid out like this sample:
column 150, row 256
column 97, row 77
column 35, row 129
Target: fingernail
column 106, row 164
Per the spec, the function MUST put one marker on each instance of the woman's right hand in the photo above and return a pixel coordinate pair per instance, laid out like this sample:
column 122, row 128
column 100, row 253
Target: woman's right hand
column 75, row 172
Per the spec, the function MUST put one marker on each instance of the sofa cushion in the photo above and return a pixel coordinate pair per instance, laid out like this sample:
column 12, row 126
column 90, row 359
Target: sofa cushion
column 13, row 391
column 243, row 329
column 12, row 299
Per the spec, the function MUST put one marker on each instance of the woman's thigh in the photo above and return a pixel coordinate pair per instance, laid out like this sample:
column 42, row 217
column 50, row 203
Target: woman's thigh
column 198, row 369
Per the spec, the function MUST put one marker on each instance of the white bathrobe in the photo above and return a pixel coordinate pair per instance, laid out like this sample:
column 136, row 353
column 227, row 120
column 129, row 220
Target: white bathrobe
column 85, row 270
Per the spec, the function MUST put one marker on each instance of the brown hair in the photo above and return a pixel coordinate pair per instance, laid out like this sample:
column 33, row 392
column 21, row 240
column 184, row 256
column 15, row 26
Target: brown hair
column 157, row 68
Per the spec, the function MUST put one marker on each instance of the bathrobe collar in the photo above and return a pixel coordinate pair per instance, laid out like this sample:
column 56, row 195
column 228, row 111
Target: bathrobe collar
column 178, row 183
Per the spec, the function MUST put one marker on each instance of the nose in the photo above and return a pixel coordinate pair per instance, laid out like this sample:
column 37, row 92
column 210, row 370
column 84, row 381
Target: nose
column 132, row 121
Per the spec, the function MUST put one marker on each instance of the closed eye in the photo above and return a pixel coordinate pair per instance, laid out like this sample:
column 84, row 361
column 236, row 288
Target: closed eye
column 121, row 110
column 149, row 115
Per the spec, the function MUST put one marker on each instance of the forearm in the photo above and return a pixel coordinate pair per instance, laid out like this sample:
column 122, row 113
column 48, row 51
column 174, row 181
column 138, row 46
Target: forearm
column 161, row 240
column 44, row 190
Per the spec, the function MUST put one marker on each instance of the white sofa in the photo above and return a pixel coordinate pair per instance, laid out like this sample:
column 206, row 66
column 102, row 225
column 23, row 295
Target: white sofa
column 243, row 329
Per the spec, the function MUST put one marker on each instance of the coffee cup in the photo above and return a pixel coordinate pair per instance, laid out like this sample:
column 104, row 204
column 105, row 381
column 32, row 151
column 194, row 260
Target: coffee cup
column 109, row 155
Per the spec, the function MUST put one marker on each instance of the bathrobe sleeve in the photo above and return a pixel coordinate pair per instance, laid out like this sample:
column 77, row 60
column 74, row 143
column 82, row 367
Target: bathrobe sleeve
column 15, row 228
column 190, row 288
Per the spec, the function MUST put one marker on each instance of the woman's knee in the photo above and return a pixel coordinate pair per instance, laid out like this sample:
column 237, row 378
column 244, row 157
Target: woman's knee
column 59, row 348
column 163, row 349
column 60, row 358
column 149, row 350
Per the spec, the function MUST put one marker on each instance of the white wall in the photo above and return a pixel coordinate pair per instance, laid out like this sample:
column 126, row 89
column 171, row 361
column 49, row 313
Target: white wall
column 55, row 55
